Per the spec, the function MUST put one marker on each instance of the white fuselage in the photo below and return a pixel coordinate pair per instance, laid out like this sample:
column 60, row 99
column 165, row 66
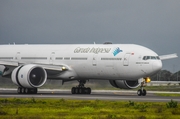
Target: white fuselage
column 96, row 61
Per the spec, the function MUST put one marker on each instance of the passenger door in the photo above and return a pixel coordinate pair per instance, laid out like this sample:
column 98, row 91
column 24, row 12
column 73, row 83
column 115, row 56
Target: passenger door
column 126, row 59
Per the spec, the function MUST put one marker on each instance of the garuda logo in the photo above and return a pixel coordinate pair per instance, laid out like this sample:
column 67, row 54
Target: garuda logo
column 117, row 51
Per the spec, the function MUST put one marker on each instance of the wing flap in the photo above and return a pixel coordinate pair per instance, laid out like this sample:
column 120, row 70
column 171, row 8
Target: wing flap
column 170, row 56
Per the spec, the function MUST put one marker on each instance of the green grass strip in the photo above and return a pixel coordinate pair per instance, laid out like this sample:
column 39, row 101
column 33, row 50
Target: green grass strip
column 31, row 108
column 167, row 95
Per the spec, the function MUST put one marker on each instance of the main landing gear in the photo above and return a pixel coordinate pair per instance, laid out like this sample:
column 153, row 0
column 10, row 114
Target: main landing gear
column 21, row 90
column 142, row 91
column 80, row 89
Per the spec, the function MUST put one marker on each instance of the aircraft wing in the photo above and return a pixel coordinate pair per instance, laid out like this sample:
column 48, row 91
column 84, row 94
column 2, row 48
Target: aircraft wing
column 53, row 68
column 170, row 56
column 10, row 65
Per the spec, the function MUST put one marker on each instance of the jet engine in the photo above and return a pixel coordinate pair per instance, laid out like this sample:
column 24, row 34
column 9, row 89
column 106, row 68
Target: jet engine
column 125, row 84
column 29, row 76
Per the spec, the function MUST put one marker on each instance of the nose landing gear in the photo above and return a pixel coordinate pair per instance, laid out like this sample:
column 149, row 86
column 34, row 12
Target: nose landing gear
column 142, row 91
column 80, row 89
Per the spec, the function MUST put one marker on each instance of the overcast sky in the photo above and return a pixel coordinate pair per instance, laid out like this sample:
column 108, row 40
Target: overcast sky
column 152, row 23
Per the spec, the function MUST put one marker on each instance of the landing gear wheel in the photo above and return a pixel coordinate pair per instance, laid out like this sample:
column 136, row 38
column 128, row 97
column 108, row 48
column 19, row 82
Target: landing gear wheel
column 26, row 91
column 21, row 90
column 73, row 90
column 80, row 89
column 89, row 90
column 77, row 90
column 144, row 92
column 139, row 92
column 35, row 91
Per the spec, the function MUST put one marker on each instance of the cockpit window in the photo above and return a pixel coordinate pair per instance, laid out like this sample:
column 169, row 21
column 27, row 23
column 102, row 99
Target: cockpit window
column 157, row 58
column 151, row 58
column 148, row 57
column 144, row 58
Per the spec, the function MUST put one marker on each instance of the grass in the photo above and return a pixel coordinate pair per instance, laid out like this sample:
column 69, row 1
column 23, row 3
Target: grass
column 173, row 88
column 31, row 108
column 167, row 94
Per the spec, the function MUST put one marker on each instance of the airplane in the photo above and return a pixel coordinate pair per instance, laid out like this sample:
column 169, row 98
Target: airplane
column 126, row 66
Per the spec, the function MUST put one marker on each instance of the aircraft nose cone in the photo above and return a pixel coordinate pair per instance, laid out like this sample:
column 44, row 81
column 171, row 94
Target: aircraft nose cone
column 157, row 66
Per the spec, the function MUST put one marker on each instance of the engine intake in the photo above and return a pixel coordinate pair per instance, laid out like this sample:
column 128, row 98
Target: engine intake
column 124, row 84
column 29, row 76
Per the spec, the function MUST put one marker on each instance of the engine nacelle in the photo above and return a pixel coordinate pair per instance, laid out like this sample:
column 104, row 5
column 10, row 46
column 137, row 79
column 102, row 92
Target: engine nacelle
column 125, row 84
column 29, row 76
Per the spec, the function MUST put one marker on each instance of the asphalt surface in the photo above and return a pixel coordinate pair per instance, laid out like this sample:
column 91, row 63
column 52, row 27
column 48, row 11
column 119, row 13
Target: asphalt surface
column 96, row 94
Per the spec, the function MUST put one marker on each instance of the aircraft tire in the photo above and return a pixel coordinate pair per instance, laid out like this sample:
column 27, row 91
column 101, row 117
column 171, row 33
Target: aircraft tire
column 139, row 92
column 23, row 91
column 73, row 90
column 77, row 90
column 81, row 90
column 144, row 92
column 33, row 91
column 89, row 90
column 19, row 90
column 26, row 90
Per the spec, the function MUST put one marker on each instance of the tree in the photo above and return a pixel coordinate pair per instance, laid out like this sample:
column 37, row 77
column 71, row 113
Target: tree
column 176, row 76
column 163, row 75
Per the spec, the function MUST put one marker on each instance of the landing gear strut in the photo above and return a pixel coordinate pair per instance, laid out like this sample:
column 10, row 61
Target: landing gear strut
column 80, row 89
column 142, row 91
column 21, row 90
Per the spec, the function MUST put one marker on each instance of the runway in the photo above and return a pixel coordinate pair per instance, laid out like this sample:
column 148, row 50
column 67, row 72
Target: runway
column 95, row 95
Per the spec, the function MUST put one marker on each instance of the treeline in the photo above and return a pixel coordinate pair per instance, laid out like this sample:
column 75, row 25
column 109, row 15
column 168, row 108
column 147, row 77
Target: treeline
column 165, row 75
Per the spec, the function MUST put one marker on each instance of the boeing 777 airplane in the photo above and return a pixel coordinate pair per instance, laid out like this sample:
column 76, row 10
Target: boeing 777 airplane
column 126, row 66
